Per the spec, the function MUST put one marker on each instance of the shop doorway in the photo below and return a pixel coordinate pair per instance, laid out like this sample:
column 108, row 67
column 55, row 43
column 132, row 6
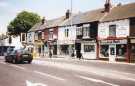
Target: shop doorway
column 112, row 53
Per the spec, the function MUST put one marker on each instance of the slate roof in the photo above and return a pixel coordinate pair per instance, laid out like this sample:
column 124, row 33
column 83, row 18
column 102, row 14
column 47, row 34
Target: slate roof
column 48, row 24
column 90, row 16
column 120, row 12
column 116, row 13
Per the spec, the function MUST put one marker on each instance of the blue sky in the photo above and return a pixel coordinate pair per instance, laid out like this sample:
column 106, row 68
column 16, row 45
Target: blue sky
column 48, row 8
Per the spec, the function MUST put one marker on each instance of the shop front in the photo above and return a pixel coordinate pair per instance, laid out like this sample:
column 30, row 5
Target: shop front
column 65, row 48
column 89, row 49
column 113, row 50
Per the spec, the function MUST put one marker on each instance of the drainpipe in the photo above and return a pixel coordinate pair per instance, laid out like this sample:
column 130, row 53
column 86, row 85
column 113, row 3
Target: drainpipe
column 128, row 51
column 97, row 51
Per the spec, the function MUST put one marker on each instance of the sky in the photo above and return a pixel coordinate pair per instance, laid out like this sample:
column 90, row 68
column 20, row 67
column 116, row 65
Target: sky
column 47, row 8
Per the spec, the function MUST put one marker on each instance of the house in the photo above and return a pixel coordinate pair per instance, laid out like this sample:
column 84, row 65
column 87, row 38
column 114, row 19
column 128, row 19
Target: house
column 116, row 33
column 35, row 39
column 42, row 37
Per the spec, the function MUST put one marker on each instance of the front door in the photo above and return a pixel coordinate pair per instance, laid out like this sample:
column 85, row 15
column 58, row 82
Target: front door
column 112, row 53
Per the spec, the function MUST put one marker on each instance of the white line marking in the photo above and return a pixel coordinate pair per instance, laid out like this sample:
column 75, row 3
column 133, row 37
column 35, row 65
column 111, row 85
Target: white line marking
column 96, row 80
column 18, row 67
column 54, row 77
column 2, row 62
column 28, row 83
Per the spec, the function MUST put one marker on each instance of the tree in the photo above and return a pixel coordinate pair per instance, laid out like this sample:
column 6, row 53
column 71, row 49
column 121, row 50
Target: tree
column 23, row 22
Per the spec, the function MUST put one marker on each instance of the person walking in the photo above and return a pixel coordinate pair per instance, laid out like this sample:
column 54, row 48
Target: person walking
column 50, row 54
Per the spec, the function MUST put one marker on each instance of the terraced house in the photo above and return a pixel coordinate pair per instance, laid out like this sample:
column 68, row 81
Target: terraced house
column 42, row 37
column 116, row 33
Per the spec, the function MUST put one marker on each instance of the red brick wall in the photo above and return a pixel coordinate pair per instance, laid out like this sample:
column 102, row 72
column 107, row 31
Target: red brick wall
column 46, row 34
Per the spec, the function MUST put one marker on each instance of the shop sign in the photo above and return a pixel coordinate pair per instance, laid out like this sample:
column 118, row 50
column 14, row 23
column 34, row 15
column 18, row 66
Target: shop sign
column 114, row 41
column 66, row 41
column 89, row 42
column 132, row 40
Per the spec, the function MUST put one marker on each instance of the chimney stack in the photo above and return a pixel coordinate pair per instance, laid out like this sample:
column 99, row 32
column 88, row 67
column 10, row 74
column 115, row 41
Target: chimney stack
column 107, row 6
column 68, row 14
column 43, row 20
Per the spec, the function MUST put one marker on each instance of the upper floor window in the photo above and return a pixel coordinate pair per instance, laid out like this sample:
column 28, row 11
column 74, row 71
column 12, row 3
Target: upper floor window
column 39, row 35
column 86, row 31
column 29, row 37
column 42, row 35
column 79, row 31
column 66, row 32
column 23, row 37
column 50, row 34
column 36, row 36
column 112, row 30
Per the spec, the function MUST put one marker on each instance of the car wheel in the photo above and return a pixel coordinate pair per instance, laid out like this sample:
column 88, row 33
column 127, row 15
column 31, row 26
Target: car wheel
column 30, row 61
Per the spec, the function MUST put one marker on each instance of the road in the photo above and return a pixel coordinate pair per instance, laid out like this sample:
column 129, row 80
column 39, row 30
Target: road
column 61, row 72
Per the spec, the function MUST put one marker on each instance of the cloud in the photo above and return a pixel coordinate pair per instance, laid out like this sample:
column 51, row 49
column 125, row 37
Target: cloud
column 4, row 4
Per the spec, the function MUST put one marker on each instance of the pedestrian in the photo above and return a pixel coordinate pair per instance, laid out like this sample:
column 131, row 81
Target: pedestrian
column 50, row 54
column 80, row 55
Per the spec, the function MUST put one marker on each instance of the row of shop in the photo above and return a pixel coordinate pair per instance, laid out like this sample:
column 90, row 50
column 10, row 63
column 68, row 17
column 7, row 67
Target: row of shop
column 106, row 49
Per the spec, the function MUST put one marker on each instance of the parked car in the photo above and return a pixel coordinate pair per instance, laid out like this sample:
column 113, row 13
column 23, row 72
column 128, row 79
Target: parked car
column 19, row 56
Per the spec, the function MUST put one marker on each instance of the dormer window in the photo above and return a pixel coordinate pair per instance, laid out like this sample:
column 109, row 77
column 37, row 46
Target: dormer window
column 86, row 31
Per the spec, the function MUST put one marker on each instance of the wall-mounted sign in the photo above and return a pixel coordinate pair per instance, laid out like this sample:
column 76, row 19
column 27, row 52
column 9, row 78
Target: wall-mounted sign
column 132, row 40
column 113, row 41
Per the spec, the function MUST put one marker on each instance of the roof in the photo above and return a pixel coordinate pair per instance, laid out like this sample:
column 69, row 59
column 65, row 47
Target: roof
column 90, row 16
column 37, row 26
column 116, row 13
column 120, row 12
column 55, row 22
column 47, row 24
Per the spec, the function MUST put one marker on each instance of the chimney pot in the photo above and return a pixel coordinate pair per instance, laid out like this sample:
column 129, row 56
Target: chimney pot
column 43, row 20
column 107, row 6
column 68, row 14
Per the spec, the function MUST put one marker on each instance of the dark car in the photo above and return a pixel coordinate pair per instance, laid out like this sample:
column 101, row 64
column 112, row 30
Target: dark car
column 19, row 56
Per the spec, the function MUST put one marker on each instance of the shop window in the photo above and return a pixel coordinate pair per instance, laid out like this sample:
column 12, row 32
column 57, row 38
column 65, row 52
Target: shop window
column 89, row 48
column 121, row 50
column 133, row 49
column 112, row 30
column 104, row 50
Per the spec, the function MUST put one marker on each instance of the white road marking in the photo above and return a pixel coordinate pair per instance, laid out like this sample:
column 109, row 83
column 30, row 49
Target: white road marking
column 96, row 80
column 2, row 62
column 28, row 83
column 45, row 74
column 18, row 67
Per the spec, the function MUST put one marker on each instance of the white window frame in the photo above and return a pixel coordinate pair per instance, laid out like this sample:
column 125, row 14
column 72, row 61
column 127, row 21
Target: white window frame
column 86, row 31
column 79, row 31
column 112, row 28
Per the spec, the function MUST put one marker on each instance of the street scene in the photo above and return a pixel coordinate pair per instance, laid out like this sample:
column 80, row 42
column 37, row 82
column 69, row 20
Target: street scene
column 67, row 43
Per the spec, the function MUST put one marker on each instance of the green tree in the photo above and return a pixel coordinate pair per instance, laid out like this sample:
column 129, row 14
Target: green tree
column 23, row 22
